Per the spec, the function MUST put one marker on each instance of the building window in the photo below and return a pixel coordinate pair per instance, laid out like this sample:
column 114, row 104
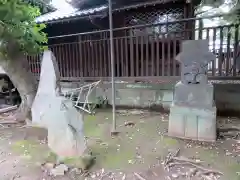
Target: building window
column 166, row 18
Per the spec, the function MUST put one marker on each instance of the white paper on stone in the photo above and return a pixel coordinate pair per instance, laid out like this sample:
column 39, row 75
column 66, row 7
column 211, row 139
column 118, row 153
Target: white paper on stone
column 57, row 114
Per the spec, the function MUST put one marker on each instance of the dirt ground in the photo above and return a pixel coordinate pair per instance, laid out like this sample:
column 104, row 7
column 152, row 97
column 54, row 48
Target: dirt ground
column 141, row 151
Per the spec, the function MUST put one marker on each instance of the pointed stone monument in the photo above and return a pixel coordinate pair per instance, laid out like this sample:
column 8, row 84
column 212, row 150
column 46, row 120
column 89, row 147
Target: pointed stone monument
column 193, row 111
column 57, row 114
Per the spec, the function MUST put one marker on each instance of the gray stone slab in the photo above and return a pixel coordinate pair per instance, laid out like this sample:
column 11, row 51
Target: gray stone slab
column 57, row 114
column 192, row 123
column 193, row 111
column 200, row 95
column 194, row 59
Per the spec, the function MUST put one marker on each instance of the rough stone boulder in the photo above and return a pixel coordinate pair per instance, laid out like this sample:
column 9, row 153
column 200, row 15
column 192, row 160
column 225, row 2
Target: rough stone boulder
column 57, row 114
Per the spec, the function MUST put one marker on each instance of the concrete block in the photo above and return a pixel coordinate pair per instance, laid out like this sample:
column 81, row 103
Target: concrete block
column 191, row 126
column 197, row 95
column 167, row 96
column 176, row 124
column 192, row 123
column 126, row 97
column 147, row 97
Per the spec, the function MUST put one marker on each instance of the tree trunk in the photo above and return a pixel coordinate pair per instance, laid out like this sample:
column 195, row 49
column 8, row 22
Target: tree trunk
column 17, row 68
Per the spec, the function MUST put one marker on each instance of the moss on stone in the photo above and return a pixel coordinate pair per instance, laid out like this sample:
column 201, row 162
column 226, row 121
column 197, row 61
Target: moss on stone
column 51, row 157
column 85, row 162
column 33, row 151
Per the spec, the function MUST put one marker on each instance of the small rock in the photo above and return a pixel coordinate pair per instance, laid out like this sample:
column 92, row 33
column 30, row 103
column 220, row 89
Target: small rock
column 138, row 157
column 130, row 162
column 102, row 171
column 59, row 170
column 87, row 161
column 93, row 175
column 192, row 172
column 48, row 166
column 130, row 123
column 16, row 176
column 175, row 175
column 76, row 171
column 136, row 112
column 228, row 153
column 198, row 160
column 198, row 174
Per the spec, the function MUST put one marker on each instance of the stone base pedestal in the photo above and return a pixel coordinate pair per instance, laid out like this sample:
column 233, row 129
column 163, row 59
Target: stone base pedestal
column 192, row 123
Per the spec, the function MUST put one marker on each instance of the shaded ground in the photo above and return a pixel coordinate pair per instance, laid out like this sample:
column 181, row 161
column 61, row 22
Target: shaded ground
column 137, row 153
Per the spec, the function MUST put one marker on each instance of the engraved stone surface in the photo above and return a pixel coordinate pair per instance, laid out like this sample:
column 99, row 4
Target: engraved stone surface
column 193, row 111
column 194, row 95
column 192, row 123
column 194, row 59
column 57, row 114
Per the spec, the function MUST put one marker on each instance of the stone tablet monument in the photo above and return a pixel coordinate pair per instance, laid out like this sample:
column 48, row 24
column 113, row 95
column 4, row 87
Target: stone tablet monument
column 193, row 112
column 57, row 114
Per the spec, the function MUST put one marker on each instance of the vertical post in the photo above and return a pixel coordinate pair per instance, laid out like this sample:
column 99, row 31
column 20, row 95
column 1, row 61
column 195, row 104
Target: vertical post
column 114, row 126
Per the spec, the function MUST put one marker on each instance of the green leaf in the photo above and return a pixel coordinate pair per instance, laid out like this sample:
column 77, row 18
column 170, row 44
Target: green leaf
column 18, row 27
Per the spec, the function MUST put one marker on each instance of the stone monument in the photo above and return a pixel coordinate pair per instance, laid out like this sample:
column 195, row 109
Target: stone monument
column 57, row 114
column 193, row 111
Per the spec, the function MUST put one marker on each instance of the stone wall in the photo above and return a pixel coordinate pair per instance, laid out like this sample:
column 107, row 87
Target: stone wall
column 227, row 99
column 160, row 96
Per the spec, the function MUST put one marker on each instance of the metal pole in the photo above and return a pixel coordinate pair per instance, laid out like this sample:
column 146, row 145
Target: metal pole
column 114, row 125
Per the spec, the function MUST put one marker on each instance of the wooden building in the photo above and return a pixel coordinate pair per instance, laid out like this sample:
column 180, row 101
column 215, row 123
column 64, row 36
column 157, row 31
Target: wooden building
column 147, row 37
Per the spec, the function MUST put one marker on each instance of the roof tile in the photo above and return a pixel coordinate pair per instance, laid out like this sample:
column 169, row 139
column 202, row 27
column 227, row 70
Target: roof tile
column 63, row 14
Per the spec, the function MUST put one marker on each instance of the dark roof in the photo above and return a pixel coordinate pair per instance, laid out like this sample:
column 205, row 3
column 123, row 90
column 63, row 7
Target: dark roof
column 83, row 4
column 72, row 14
column 65, row 14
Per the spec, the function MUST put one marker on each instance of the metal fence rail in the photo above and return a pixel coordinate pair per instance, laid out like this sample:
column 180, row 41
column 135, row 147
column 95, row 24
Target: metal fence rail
column 143, row 51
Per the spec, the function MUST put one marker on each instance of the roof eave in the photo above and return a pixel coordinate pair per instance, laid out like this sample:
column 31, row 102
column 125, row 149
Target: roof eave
column 115, row 9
